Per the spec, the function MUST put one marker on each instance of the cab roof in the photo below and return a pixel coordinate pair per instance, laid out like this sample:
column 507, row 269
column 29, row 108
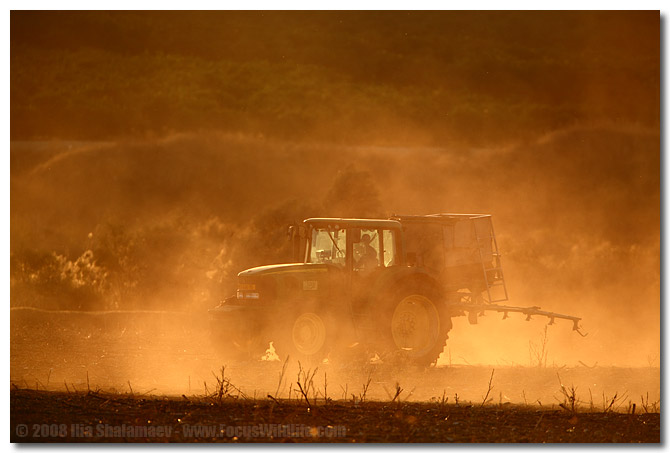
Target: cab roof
column 344, row 222
column 447, row 218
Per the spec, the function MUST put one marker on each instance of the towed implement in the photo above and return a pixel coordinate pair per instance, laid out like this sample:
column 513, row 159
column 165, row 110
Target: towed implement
column 388, row 287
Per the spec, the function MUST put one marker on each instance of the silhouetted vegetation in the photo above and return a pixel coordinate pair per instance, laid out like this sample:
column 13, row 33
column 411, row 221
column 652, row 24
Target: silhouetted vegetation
column 361, row 77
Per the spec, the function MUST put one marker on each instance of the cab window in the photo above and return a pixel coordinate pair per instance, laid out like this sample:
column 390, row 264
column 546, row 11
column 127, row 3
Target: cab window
column 389, row 248
column 328, row 246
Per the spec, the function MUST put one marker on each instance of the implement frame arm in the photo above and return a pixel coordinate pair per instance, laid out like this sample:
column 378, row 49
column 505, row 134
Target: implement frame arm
column 475, row 310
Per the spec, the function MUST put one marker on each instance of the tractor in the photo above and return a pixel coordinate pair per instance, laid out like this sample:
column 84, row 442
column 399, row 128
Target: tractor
column 386, row 287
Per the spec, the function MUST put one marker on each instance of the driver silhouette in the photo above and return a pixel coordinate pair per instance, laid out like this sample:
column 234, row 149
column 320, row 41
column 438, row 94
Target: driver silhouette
column 368, row 258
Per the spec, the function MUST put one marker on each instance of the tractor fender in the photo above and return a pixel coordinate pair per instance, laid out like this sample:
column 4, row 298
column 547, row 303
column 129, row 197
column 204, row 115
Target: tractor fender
column 402, row 278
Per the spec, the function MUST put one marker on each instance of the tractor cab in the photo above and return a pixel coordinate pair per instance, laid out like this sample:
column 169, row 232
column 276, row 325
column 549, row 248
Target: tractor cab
column 355, row 245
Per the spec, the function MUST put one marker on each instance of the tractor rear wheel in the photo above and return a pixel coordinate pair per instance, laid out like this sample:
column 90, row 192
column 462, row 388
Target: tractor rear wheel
column 414, row 328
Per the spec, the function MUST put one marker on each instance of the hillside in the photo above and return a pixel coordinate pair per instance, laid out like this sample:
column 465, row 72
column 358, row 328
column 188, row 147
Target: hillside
column 355, row 77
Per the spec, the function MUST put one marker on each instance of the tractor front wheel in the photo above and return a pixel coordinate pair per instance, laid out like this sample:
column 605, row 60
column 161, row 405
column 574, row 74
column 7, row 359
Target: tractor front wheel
column 305, row 337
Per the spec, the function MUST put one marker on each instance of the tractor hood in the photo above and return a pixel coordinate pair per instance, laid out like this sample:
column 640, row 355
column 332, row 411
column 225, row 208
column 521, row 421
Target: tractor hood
column 292, row 268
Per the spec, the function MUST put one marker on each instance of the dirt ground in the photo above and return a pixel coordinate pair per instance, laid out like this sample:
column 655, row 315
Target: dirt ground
column 74, row 374
column 39, row 416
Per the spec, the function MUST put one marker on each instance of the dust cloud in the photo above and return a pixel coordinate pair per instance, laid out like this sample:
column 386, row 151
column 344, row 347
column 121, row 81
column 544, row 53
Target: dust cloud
column 166, row 225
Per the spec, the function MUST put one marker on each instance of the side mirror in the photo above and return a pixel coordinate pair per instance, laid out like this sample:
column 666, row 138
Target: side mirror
column 355, row 235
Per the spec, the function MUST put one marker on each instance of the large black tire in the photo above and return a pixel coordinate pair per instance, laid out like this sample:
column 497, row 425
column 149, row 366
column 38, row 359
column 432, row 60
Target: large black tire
column 413, row 326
